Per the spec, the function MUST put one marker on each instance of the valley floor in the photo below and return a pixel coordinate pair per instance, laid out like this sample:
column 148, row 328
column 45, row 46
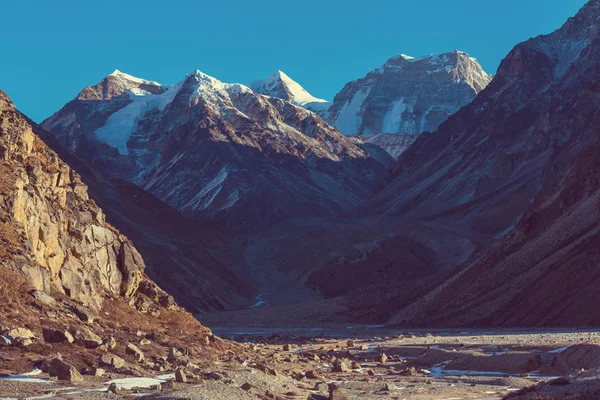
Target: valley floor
column 347, row 362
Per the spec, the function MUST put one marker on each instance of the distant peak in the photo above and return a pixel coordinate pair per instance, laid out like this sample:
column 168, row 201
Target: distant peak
column 121, row 75
column 280, row 85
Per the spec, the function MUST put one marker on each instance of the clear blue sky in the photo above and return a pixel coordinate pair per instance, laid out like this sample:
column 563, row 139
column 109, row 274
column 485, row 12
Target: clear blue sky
column 52, row 49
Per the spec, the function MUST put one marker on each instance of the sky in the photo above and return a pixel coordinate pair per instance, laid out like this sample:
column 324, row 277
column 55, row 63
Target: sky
column 53, row 49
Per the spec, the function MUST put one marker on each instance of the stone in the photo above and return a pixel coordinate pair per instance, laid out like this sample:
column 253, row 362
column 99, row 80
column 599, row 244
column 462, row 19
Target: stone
column 370, row 372
column 337, row 394
column 180, row 375
column 113, row 388
column 83, row 314
column 112, row 361
column 168, row 385
column 135, row 351
column 364, row 347
column 288, row 347
column 355, row 365
column 562, row 381
column 341, row 366
column 145, row 342
column 350, row 343
column 64, row 371
column 57, row 335
column 297, row 375
column 381, row 358
column 246, row 386
column 84, row 337
column 176, row 356
column 313, row 375
column 98, row 372
column 110, row 343
column 44, row 298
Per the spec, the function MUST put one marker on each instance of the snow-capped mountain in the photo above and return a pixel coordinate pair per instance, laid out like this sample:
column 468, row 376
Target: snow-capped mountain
column 282, row 86
column 486, row 164
column 212, row 149
column 408, row 95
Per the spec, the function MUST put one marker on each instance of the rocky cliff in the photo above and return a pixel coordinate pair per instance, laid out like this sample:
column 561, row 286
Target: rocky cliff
column 70, row 282
column 59, row 237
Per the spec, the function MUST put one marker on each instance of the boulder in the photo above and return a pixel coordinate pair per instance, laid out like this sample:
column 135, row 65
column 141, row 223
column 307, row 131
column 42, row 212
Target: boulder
column 341, row 366
column 44, row 298
column 20, row 336
column 381, row 358
column 180, row 375
column 350, row 343
column 57, row 335
column 113, row 388
column 64, row 371
column 83, row 313
column 176, row 356
column 84, row 337
column 112, row 361
column 313, row 375
column 135, row 351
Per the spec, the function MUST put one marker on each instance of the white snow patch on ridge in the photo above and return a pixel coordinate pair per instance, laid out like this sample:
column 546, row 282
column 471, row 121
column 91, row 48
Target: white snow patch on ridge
column 349, row 118
column 119, row 127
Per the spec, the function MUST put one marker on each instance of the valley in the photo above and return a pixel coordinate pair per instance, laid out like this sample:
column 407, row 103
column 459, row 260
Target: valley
column 431, row 233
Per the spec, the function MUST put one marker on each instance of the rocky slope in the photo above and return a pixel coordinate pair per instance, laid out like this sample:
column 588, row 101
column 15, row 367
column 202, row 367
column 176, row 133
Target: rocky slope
column 393, row 144
column 484, row 167
column 522, row 158
column 282, row 86
column 189, row 259
column 216, row 150
column 408, row 95
column 70, row 282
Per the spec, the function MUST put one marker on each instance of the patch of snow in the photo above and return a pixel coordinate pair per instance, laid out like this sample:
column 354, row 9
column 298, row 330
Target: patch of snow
column 131, row 78
column 393, row 118
column 559, row 350
column 119, row 127
column 349, row 119
column 129, row 383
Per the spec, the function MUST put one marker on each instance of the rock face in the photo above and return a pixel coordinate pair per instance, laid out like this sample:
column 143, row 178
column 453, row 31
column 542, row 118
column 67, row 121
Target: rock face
column 523, row 157
column 67, row 276
column 408, row 95
column 282, row 86
column 393, row 144
column 53, row 232
column 216, row 150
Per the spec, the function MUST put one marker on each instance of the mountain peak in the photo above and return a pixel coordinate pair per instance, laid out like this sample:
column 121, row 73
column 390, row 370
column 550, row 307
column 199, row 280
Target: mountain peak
column 408, row 95
column 123, row 76
column 280, row 85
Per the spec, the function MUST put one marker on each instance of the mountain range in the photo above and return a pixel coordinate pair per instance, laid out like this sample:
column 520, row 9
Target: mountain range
column 427, row 193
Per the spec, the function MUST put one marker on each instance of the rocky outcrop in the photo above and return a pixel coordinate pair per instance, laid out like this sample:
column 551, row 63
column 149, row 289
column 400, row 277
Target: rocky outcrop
column 64, row 243
column 408, row 95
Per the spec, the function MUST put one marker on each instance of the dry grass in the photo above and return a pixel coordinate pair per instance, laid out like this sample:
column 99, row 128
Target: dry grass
column 13, row 286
